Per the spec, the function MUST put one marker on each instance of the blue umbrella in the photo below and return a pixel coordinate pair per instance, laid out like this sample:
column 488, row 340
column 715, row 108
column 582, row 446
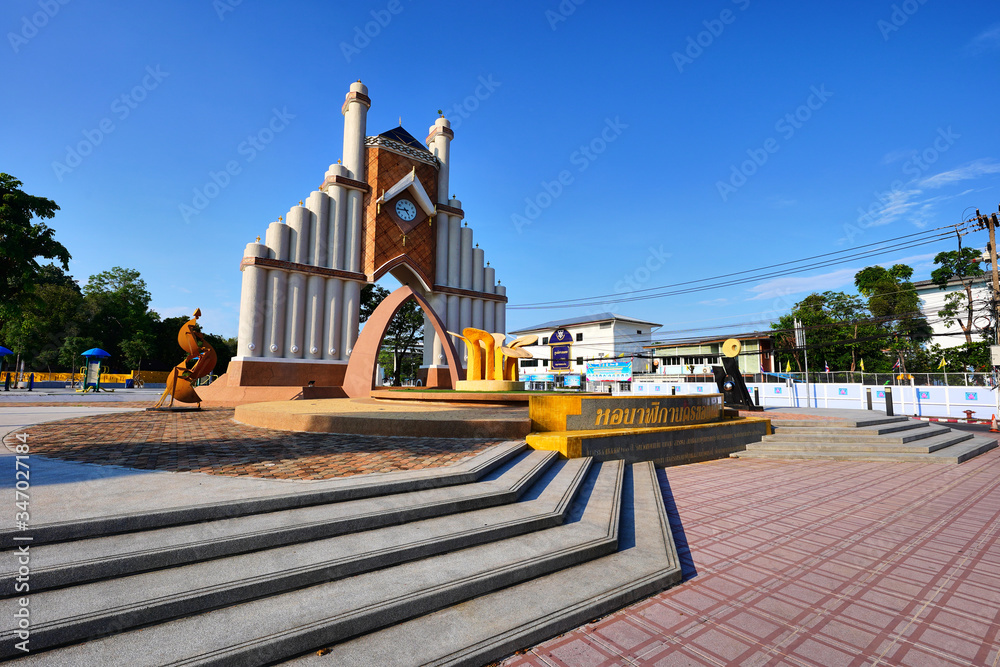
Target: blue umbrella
column 4, row 351
column 95, row 352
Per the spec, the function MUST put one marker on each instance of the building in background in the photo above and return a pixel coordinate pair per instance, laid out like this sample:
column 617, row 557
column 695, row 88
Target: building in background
column 598, row 336
column 696, row 356
column 933, row 298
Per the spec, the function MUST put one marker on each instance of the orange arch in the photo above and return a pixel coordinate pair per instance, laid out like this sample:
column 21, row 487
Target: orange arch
column 360, row 377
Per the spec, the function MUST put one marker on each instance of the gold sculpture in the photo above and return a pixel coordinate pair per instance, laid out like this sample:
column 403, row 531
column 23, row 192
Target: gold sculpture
column 489, row 358
column 198, row 363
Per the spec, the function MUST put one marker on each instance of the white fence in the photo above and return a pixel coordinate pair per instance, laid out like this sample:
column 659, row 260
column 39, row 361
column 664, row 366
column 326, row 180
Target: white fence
column 922, row 401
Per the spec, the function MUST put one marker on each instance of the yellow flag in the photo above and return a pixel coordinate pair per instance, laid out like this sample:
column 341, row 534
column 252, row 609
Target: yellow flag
column 862, row 365
column 943, row 363
column 788, row 366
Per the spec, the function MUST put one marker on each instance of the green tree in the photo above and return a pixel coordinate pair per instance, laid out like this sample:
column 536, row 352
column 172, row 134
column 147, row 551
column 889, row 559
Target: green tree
column 119, row 309
column 136, row 348
column 22, row 242
column 404, row 337
column 961, row 265
column 49, row 315
column 69, row 352
column 838, row 333
column 893, row 302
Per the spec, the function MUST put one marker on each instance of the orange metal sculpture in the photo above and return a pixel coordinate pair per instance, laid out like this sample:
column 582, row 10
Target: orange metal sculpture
column 198, row 363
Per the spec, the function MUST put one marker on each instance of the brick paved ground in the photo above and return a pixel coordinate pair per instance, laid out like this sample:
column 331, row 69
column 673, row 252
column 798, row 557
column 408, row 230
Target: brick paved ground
column 75, row 404
column 211, row 442
column 822, row 563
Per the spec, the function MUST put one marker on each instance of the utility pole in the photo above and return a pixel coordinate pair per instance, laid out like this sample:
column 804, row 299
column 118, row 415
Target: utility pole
column 990, row 223
column 800, row 341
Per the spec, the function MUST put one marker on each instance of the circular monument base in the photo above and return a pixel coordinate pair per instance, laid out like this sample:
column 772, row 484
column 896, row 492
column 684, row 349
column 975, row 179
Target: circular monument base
column 489, row 385
column 366, row 416
column 176, row 408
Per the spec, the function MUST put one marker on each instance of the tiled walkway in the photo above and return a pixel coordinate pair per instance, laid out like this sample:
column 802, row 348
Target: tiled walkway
column 816, row 563
column 211, row 442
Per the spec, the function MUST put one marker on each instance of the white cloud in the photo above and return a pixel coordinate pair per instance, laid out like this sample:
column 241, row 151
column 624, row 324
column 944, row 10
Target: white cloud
column 798, row 284
column 895, row 156
column 985, row 41
column 964, row 173
column 783, row 287
column 715, row 302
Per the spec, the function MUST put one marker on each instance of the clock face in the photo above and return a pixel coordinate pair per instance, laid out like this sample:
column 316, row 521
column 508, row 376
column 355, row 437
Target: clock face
column 406, row 210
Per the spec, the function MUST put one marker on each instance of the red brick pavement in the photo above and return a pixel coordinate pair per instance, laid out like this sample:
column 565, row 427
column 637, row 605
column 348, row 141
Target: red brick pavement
column 821, row 563
column 211, row 442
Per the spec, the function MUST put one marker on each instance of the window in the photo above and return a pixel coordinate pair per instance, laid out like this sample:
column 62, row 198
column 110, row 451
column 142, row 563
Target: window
column 579, row 361
column 527, row 363
column 579, row 337
column 545, row 340
column 605, row 325
column 638, row 331
column 545, row 362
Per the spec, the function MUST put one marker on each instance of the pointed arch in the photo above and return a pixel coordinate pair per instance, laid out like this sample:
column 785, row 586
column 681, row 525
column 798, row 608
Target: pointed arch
column 360, row 378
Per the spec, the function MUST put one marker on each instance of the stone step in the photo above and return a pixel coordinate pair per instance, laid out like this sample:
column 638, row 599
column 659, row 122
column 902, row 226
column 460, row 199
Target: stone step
column 118, row 555
column 878, row 429
column 79, row 613
column 857, row 435
column 823, row 443
column 279, row 627
column 347, row 488
column 875, row 420
column 957, row 453
column 490, row 627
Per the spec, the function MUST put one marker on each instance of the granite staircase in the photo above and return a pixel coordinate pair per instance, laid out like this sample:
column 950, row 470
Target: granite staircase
column 876, row 438
column 455, row 566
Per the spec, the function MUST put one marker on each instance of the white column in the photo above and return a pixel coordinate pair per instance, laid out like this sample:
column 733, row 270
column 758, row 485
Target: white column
column 277, row 288
column 337, row 218
column 477, row 286
column 355, row 112
column 351, row 317
column 352, row 262
column 439, row 144
column 252, row 299
column 299, row 225
column 465, row 279
column 489, row 307
column 454, row 324
column 334, row 305
column 319, row 207
column 454, row 250
column 500, row 318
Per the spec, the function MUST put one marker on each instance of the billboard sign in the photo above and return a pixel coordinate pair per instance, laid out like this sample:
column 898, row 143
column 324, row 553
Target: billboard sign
column 609, row 371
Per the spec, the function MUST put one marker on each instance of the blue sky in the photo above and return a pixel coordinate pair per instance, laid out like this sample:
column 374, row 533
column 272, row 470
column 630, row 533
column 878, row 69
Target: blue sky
column 692, row 139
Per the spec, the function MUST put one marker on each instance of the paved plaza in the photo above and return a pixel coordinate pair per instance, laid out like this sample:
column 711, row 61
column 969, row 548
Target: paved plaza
column 785, row 562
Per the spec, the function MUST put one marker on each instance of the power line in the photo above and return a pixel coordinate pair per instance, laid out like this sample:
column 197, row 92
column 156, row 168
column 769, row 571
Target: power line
column 917, row 239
